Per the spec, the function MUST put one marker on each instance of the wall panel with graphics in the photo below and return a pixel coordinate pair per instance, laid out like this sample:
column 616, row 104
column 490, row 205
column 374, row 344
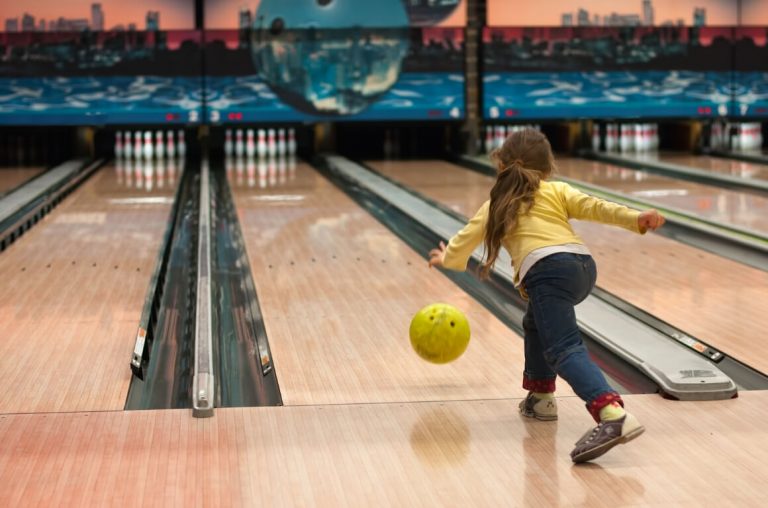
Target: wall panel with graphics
column 609, row 59
column 750, row 64
column 84, row 62
column 310, row 60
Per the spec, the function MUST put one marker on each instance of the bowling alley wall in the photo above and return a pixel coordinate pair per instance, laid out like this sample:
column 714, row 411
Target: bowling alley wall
column 153, row 62
column 112, row 62
column 625, row 59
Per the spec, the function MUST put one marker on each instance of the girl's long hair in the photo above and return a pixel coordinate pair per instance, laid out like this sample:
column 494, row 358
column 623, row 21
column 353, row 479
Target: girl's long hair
column 521, row 163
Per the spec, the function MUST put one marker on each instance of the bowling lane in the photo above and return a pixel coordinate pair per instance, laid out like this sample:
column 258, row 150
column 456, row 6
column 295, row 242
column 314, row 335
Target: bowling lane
column 337, row 290
column 742, row 209
column 720, row 301
column 464, row 453
column 12, row 177
column 721, row 165
column 73, row 289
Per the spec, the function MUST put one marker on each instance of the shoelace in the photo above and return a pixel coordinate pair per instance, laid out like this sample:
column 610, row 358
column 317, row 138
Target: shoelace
column 589, row 435
column 595, row 432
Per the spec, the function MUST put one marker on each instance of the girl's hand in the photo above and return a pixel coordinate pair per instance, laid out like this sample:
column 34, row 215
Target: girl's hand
column 436, row 256
column 650, row 219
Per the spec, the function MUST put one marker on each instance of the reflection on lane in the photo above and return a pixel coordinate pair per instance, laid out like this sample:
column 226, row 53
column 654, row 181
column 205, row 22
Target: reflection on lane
column 733, row 207
column 721, row 165
column 264, row 172
column 147, row 175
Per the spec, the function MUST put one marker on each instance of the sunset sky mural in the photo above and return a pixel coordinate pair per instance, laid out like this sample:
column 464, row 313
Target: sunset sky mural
column 220, row 14
column 174, row 14
column 550, row 12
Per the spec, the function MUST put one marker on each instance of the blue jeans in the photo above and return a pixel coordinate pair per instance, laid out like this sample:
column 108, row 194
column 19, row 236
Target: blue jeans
column 553, row 345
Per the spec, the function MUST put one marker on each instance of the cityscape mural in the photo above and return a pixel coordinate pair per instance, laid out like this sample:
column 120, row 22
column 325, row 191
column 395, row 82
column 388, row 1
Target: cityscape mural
column 306, row 60
column 624, row 59
column 103, row 62
column 619, row 12
column 309, row 59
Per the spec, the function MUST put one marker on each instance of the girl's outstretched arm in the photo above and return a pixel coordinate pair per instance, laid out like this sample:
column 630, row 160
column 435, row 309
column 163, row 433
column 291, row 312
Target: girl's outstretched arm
column 456, row 254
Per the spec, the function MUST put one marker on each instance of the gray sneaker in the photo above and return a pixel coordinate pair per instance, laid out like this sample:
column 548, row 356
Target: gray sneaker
column 541, row 409
column 605, row 436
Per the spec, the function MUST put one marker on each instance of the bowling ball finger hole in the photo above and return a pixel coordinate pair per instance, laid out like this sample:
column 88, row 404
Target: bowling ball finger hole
column 453, row 324
column 431, row 318
column 323, row 3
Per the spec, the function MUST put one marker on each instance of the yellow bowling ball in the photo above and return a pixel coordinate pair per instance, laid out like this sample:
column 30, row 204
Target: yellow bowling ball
column 439, row 333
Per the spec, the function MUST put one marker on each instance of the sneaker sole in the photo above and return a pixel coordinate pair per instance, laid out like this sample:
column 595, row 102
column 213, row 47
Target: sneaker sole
column 600, row 450
column 543, row 418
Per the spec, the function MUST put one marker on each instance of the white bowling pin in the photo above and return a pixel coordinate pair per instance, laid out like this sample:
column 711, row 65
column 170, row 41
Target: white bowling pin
column 118, row 144
column 281, row 142
column 744, row 136
column 148, row 149
column 138, row 151
column 596, row 137
column 500, row 136
column 239, row 145
column 638, row 130
column 159, row 145
column 228, row 143
column 250, row 144
column 627, row 139
column 714, row 136
column 610, row 137
column 490, row 141
column 261, row 143
column 128, row 145
column 271, row 143
column 170, row 147
column 291, row 141
column 181, row 145
column 754, row 141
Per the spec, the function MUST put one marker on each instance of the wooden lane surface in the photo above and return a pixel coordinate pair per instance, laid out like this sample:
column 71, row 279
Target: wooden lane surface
column 731, row 167
column 722, row 302
column 10, row 178
column 72, row 293
column 731, row 207
column 338, row 290
column 463, row 453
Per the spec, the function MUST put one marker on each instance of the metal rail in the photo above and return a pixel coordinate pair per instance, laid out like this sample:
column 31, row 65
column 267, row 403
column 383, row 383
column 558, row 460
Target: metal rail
column 29, row 203
column 203, row 382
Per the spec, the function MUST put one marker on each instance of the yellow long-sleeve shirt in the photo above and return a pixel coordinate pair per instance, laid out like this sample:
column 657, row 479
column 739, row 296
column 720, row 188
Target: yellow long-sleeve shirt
column 545, row 225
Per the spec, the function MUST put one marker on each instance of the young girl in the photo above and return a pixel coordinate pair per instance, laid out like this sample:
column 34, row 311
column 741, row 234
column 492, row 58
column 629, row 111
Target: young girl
column 528, row 215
